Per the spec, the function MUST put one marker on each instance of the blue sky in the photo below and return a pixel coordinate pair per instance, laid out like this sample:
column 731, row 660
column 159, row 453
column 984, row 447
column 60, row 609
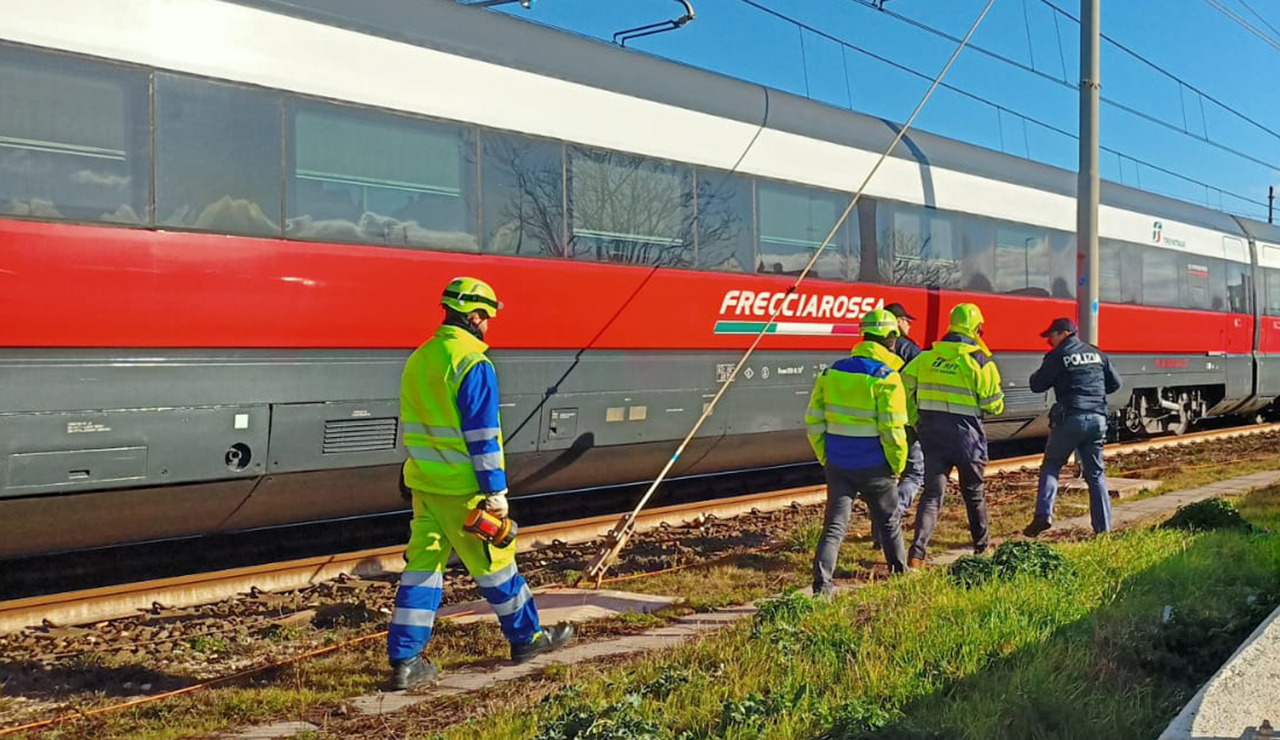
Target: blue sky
column 1187, row 38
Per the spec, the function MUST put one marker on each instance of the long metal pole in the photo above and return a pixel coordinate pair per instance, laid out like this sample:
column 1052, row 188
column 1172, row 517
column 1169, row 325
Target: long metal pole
column 1087, row 189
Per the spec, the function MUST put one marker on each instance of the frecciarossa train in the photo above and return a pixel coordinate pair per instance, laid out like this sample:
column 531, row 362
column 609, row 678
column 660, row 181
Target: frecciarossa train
column 225, row 223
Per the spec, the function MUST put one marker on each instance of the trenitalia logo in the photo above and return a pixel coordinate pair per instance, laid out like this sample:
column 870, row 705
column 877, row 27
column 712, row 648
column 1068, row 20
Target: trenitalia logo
column 836, row 309
column 1158, row 237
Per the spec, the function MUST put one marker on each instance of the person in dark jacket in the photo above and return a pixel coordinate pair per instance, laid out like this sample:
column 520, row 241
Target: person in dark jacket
column 913, row 475
column 1081, row 377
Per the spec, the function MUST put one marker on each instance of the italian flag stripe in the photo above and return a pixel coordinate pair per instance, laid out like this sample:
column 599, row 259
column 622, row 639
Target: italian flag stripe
column 791, row 328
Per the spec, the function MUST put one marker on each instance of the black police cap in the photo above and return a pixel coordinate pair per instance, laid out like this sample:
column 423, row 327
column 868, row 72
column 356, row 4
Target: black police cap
column 897, row 309
column 1065, row 325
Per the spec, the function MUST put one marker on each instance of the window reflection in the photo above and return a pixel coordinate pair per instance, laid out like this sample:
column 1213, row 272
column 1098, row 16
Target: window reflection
column 1272, row 277
column 924, row 244
column 629, row 210
column 1022, row 260
column 217, row 157
column 523, row 199
column 1159, row 277
column 382, row 179
column 793, row 222
column 73, row 139
column 724, row 222
column 1239, row 284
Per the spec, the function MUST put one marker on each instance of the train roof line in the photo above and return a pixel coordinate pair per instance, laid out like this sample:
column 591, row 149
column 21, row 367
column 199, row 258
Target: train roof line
column 447, row 26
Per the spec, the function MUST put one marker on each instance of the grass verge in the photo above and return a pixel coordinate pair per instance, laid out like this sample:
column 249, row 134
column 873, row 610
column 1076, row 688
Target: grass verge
column 315, row 689
column 1110, row 648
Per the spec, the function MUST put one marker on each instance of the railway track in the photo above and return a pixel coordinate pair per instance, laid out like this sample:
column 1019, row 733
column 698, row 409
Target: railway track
column 99, row 604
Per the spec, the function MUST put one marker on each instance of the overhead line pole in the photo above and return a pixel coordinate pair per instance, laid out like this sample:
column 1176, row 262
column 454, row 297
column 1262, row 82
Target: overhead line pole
column 1088, row 185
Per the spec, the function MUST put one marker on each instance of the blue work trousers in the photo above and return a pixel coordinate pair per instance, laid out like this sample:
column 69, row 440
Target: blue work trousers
column 912, row 475
column 1083, row 434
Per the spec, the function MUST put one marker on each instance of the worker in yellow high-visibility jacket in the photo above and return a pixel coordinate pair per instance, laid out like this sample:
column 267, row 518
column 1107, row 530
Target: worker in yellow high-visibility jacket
column 453, row 434
column 857, row 426
column 949, row 388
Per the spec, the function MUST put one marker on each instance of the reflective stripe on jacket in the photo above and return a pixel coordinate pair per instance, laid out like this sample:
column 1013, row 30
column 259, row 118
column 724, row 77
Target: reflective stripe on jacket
column 857, row 413
column 449, row 417
column 950, row 386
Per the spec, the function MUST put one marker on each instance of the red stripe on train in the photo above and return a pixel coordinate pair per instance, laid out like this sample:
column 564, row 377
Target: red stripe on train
column 65, row 285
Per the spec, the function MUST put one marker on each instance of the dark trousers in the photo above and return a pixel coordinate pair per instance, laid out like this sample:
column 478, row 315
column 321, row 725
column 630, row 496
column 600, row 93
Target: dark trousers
column 1083, row 434
column 912, row 475
column 878, row 487
column 939, row 460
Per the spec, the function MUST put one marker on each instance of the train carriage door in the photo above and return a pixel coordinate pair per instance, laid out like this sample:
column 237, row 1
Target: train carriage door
column 1237, row 333
column 1239, row 327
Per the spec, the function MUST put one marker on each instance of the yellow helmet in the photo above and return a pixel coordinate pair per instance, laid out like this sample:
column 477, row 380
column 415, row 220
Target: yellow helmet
column 880, row 323
column 965, row 320
column 467, row 294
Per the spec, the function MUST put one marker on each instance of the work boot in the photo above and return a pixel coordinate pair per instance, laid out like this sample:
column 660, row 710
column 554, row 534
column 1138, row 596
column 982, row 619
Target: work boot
column 914, row 563
column 1037, row 525
column 410, row 672
column 547, row 639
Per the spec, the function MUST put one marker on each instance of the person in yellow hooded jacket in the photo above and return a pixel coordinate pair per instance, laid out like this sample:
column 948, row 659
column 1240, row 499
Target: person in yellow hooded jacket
column 857, row 427
column 950, row 387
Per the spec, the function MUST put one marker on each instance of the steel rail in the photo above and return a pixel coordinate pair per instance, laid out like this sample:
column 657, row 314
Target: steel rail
column 111, row 602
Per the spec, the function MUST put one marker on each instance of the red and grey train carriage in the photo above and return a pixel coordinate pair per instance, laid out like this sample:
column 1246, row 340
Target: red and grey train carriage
column 225, row 224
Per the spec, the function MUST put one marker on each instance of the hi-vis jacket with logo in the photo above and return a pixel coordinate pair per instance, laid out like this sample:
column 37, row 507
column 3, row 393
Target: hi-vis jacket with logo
column 858, row 412
column 449, row 415
column 950, row 386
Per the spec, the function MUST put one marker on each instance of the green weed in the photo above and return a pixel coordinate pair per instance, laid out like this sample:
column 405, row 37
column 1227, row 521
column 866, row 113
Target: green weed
column 1208, row 515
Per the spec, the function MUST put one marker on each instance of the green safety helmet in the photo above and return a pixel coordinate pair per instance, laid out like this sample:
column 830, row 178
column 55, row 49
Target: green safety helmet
column 880, row 323
column 966, row 318
column 467, row 294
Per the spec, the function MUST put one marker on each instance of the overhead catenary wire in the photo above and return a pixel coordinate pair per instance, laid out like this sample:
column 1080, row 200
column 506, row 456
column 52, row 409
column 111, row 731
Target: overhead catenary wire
column 1257, row 15
column 1002, row 108
column 1158, row 68
column 618, row 536
column 1112, row 102
column 1244, row 23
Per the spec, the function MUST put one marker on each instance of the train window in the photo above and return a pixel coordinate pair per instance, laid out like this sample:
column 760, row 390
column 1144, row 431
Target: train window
column 522, row 196
column 1160, row 277
column 74, row 139
column 1204, row 283
column 629, row 209
column 725, row 221
column 978, row 252
column 1111, row 277
column 1239, row 287
column 376, row 178
column 1272, row 278
column 792, row 223
column 924, row 243
column 1062, row 264
column 217, row 157
column 1022, row 260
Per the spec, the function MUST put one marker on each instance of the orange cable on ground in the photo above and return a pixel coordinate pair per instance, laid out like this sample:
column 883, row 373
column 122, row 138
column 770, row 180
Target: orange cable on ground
column 190, row 689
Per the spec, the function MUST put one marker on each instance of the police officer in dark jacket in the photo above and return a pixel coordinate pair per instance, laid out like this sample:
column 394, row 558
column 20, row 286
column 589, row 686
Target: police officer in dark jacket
column 913, row 475
column 1081, row 377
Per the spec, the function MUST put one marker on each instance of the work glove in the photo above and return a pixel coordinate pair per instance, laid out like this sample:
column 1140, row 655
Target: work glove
column 496, row 503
